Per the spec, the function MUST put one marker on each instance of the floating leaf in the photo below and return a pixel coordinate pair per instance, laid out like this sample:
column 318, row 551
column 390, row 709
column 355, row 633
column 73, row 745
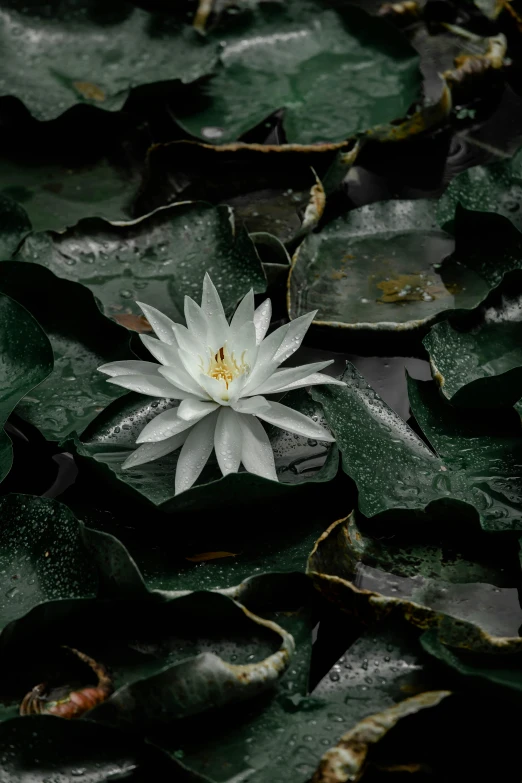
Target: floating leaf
column 477, row 360
column 40, row 749
column 103, row 53
column 112, row 437
column 81, row 339
column 471, row 593
column 26, row 359
column 157, row 260
column 267, row 185
column 377, row 267
column 300, row 57
column 14, row 226
column 478, row 460
column 494, row 188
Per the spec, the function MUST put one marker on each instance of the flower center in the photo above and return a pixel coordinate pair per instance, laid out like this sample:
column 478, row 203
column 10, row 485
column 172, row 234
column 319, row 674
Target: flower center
column 223, row 366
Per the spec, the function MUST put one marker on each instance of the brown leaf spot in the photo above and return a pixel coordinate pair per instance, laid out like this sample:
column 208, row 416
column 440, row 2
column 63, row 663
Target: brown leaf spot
column 138, row 323
column 89, row 91
column 202, row 557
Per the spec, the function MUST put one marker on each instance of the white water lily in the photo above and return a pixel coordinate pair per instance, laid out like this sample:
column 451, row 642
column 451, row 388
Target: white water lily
column 220, row 372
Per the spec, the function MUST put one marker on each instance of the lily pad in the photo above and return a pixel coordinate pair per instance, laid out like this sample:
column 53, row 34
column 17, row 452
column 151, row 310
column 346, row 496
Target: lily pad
column 81, row 339
column 300, row 57
column 477, row 361
column 40, row 749
column 157, row 259
column 377, row 267
column 26, row 360
column 14, row 226
column 103, row 52
column 112, row 436
column 495, row 188
column 267, row 185
column 56, row 196
column 476, row 460
column 465, row 584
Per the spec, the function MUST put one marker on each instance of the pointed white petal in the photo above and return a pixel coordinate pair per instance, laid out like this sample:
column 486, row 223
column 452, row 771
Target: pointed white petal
column 216, row 389
column 214, row 313
column 193, row 409
column 256, row 451
column 189, row 342
column 180, row 378
column 316, row 379
column 228, row 441
column 262, row 317
column 161, row 323
column 244, row 312
column 151, row 451
column 251, row 405
column 282, row 378
column 153, row 385
column 166, row 354
column 292, row 421
column 195, row 453
column 163, row 426
column 129, row 367
column 196, row 321
column 265, row 364
column 294, row 336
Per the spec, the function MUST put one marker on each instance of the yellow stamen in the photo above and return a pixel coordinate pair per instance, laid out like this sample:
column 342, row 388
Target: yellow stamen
column 223, row 366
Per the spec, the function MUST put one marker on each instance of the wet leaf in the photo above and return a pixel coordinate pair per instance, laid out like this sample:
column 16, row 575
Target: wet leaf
column 476, row 461
column 157, row 260
column 494, row 188
column 81, row 339
column 26, row 359
column 112, row 436
column 14, row 226
column 464, row 583
column 377, row 267
column 38, row 749
column 477, row 361
column 299, row 56
column 103, row 53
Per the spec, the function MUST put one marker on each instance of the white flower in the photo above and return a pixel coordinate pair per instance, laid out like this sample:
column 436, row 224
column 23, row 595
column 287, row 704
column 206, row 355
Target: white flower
column 220, row 372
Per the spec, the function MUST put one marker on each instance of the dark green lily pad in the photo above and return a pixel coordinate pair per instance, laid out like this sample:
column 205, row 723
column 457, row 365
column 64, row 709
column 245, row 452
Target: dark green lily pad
column 466, row 584
column 38, row 749
column 64, row 53
column 268, row 186
column 477, row 460
column 495, row 188
column 477, row 361
column 482, row 669
column 377, row 267
column 112, row 436
column 300, row 57
column 56, row 196
column 14, row 225
column 157, row 260
column 81, row 339
column 26, row 360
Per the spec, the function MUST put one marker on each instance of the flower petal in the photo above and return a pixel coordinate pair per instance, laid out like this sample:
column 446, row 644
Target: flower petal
column 196, row 321
column 163, row 426
column 256, row 450
column 153, row 385
column 265, row 366
column 189, row 342
column 244, row 312
column 251, row 405
column 161, row 323
column 315, row 379
column 151, row 451
column 228, row 441
column 193, row 409
column 294, row 336
column 181, row 378
column 164, row 353
column 292, row 421
column 282, row 378
column 262, row 317
column 195, row 453
column 216, row 389
column 129, row 367
column 214, row 313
